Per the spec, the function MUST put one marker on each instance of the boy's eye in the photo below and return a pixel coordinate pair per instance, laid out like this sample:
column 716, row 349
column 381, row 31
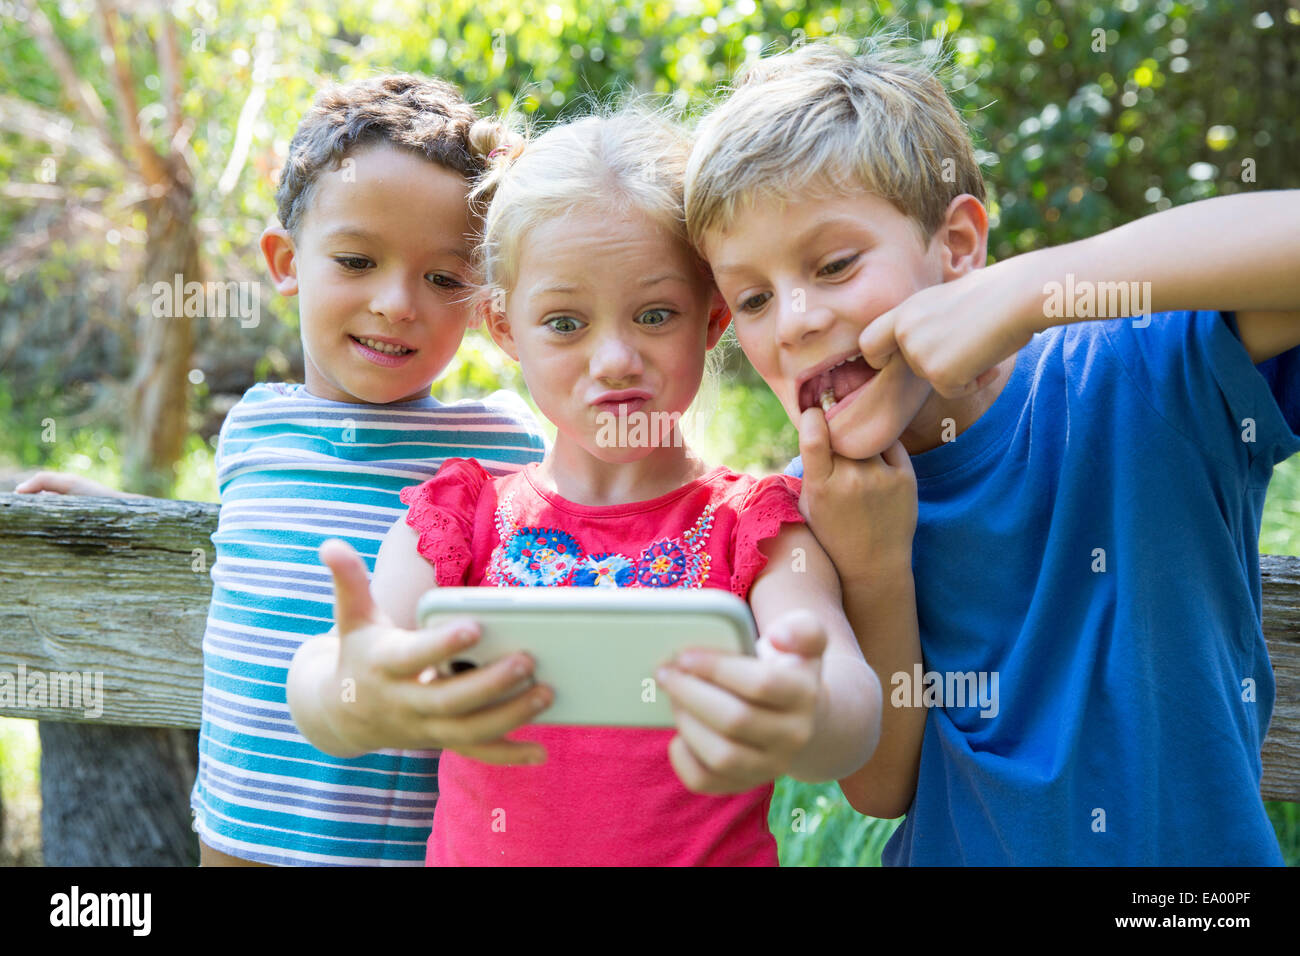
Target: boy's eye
column 839, row 265
column 353, row 263
column 654, row 317
column 444, row 281
column 563, row 324
column 754, row 302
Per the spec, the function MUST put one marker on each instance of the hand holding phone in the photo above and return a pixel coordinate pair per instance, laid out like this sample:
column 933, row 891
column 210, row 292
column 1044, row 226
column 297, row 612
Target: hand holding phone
column 598, row 648
column 741, row 721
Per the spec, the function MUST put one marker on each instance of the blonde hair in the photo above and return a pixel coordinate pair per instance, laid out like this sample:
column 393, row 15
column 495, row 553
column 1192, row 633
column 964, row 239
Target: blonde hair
column 822, row 119
column 613, row 161
column 616, row 160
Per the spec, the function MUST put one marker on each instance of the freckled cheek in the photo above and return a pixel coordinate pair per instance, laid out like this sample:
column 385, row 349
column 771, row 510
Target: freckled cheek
column 763, row 357
column 551, row 377
column 759, row 348
column 862, row 303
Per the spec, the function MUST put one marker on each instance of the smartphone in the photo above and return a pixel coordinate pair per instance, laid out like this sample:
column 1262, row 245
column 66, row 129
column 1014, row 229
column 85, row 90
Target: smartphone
column 598, row 648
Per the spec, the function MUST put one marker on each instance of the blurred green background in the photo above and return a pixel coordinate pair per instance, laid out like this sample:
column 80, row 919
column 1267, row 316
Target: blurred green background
column 1086, row 115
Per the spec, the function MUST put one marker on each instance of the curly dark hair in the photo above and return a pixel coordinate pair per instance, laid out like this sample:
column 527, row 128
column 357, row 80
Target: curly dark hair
column 427, row 116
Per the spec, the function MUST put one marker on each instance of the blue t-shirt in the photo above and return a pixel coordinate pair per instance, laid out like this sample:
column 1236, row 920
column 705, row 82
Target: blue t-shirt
column 1086, row 556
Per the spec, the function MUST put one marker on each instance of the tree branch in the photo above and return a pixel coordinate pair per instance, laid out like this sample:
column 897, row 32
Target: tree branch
column 263, row 57
column 32, row 191
column 169, row 60
column 25, row 118
column 152, row 167
column 78, row 90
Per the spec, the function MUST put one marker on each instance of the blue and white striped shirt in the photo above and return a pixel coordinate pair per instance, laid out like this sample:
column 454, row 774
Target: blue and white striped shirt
column 293, row 471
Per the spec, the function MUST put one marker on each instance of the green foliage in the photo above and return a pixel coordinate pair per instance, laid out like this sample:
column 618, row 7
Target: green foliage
column 1280, row 530
column 743, row 427
column 1286, row 823
column 1163, row 105
column 478, row 368
column 20, row 749
column 54, row 444
column 815, row 826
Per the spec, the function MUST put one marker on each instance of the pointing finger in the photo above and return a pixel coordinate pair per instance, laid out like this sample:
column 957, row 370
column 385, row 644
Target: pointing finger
column 354, row 608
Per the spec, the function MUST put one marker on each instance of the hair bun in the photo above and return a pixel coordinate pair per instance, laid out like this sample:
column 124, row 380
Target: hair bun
column 490, row 140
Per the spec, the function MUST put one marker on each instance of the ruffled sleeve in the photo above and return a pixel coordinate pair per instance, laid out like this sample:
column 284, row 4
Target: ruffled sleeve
column 442, row 514
column 770, row 503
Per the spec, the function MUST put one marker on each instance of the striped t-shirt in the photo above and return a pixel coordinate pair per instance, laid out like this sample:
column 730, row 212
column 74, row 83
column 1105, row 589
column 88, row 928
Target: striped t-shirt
column 294, row 470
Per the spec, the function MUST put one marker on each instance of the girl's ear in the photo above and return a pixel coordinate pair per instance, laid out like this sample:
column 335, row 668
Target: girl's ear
column 277, row 249
column 719, row 318
column 494, row 317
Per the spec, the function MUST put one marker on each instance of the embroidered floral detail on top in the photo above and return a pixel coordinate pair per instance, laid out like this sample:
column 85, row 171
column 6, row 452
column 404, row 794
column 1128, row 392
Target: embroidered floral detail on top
column 546, row 557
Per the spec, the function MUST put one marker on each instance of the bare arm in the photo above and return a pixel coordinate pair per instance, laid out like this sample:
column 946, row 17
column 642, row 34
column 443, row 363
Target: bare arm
column 883, row 613
column 62, row 483
column 808, row 705
column 1232, row 253
column 864, row 514
column 401, row 575
column 846, row 726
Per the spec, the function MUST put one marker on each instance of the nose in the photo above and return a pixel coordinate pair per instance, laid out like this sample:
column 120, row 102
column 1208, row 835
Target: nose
column 615, row 360
column 393, row 298
column 797, row 319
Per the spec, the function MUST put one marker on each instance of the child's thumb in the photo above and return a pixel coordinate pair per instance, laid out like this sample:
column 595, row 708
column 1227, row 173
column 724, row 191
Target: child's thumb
column 877, row 342
column 815, row 447
column 353, row 606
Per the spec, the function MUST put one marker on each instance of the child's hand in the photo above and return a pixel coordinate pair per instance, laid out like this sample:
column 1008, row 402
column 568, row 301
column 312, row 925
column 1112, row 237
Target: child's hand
column 741, row 721
column 65, row 484
column 862, row 512
column 953, row 334
column 383, row 692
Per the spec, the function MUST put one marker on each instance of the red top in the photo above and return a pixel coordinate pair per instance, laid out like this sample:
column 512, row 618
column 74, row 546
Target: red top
column 606, row 795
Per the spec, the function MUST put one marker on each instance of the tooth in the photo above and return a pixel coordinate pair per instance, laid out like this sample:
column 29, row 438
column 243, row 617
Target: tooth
column 383, row 347
column 828, row 399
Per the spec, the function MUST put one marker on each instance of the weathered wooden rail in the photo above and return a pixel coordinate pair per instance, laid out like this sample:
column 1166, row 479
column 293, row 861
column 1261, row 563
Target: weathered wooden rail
column 121, row 587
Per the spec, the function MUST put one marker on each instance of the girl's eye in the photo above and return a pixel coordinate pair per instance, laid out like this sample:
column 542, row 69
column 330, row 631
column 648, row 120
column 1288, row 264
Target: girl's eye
column 755, row 302
column 353, row 263
column 563, row 324
column 839, row 265
column 444, row 281
column 655, row 317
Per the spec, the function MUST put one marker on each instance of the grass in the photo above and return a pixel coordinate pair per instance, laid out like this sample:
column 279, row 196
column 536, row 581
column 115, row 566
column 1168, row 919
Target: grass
column 815, row 826
column 20, row 788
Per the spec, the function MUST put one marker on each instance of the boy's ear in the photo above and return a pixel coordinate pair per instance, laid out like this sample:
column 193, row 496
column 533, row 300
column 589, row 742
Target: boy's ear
column 277, row 249
column 719, row 318
column 964, row 235
column 498, row 327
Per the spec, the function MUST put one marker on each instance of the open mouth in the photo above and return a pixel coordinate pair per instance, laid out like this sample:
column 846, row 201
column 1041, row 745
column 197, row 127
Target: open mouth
column 830, row 386
column 383, row 348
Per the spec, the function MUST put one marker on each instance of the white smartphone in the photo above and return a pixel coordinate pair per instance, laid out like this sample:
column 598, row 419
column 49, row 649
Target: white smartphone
column 598, row 648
